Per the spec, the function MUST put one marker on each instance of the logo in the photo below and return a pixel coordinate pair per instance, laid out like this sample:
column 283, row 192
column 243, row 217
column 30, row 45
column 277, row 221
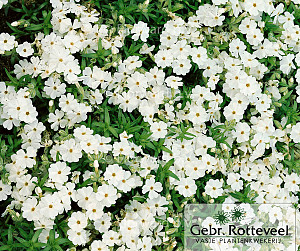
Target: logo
column 240, row 227
column 236, row 215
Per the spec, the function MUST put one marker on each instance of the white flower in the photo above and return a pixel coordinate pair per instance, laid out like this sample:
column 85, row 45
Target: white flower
column 174, row 82
column 152, row 187
column 77, row 221
column 292, row 182
column 232, row 112
column 157, row 205
column 140, row 30
column 186, row 187
column 99, row 245
column 114, row 174
column 95, row 210
column 219, row 2
column 159, row 130
column 54, row 88
column 254, row 6
column 85, row 196
column 236, row 47
column 242, row 132
column 45, row 235
column 199, row 55
column 198, row 115
column 107, row 195
column 234, row 181
column 133, row 62
column 3, row 2
column 110, row 238
column 146, row 49
column 163, row 58
column 127, row 183
column 145, row 243
column 56, row 120
column 78, row 237
column 25, row 184
column 29, row 209
column 7, row 42
column 5, row 190
column 58, row 172
column 70, row 151
column 210, row 15
column 24, row 49
column 72, row 42
column 50, row 206
column 96, row 97
column 286, row 63
column 103, row 224
column 129, row 228
column 295, row 133
column 67, row 102
column 275, row 213
column 255, row 37
column 128, row 102
column 181, row 66
column 214, row 188
column 89, row 144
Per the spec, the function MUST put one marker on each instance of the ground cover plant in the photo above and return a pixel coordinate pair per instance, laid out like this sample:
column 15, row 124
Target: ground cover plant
column 116, row 114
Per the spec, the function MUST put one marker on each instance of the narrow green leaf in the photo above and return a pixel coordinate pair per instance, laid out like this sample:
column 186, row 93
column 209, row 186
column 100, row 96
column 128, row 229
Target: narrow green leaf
column 173, row 175
column 36, row 235
column 113, row 131
column 168, row 164
column 106, row 117
column 11, row 78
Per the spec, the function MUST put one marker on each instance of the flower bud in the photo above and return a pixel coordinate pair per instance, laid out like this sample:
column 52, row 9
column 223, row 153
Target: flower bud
column 38, row 190
column 96, row 165
column 122, row 19
column 16, row 23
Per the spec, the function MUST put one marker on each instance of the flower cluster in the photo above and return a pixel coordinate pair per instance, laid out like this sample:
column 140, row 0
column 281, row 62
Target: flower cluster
column 117, row 128
column 16, row 107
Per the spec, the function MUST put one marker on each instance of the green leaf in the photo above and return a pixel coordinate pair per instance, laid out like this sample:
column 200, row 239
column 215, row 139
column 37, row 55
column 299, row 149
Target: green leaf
column 5, row 248
column 51, row 236
column 34, row 27
column 58, row 248
column 100, row 45
column 175, row 199
column 10, row 234
column 21, row 240
column 11, row 78
column 173, row 175
column 286, row 96
column 169, row 164
column 150, row 145
column 43, row 180
column 106, row 118
column 23, row 233
column 166, row 149
column 90, row 55
column 38, row 245
column 139, row 198
column 36, row 235
column 273, row 27
column 113, row 131
column 61, row 241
